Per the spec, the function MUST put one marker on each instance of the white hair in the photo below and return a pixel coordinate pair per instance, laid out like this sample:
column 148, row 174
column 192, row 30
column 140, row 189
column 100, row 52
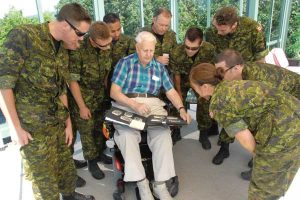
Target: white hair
column 145, row 36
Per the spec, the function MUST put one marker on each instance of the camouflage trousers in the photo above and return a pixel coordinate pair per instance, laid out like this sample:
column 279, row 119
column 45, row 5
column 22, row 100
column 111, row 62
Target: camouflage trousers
column 90, row 131
column 273, row 173
column 205, row 121
column 49, row 165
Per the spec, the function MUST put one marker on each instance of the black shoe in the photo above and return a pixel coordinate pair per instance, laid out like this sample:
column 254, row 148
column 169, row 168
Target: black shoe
column 80, row 163
column 222, row 154
column 250, row 163
column 80, row 182
column 94, row 169
column 176, row 135
column 246, row 175
column 203, row 139
column 77, row 196
column 105, row 159
column 213, row 130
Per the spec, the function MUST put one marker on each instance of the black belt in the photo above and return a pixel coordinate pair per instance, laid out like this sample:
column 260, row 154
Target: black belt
column 134, row 95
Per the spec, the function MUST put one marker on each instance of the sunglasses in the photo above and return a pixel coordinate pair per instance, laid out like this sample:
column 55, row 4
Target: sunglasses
column 77, row 32
column 191, row 48
column 102, row 46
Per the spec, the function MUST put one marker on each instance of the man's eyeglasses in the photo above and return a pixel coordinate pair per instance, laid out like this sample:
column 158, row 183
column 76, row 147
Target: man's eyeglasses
column 230, row 67
column 102, row 46
column 77, row 32
column 191, row 48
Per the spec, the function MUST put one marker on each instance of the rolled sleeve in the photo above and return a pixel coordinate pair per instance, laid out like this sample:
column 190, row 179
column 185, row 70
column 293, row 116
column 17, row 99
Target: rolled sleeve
column 236, row 127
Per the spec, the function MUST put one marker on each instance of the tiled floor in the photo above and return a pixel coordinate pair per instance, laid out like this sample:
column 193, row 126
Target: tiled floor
column 198, row 177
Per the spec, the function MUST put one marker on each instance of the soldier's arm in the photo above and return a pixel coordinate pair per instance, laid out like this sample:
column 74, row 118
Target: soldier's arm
column 12, row 60
column 75, row 90
column 8, row 107
column 246, row 139
column 69, row 132
column 75, row 67
column 177, row 82
column 259, row 44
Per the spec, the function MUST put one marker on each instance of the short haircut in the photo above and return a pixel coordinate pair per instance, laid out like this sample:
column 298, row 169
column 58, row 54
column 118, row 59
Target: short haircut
column 164, row 11
column 74, row 13
column 230, row 57
column 99, row 30
column 145, row 36
column 193, row 34
column 226, row 16
column 111, row 18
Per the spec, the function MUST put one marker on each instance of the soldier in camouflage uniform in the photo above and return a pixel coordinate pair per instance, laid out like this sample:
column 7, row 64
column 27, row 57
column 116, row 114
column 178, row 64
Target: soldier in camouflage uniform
column 166, row 38
column 166, row 41
column 264, row 119
column 239, row 33
column 89, row 67
column 242, row 34
column 122, row 46
column 33, row 75
column 182, row 59
column 231, row 65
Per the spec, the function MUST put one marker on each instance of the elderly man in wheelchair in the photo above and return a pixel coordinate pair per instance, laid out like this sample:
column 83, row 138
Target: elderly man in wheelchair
column 136, row 82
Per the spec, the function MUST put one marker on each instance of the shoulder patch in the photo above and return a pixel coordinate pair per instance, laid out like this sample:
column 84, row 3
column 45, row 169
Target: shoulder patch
column 259, row 28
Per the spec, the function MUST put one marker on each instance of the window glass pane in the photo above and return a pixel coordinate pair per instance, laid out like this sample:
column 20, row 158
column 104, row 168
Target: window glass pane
column 13, row 13
column 190, row 13
column 216, row 4
column 87, row 4
column 293, row 39
column 129, row 13
column 270, row 24
column 194, row 13
column 150, row 6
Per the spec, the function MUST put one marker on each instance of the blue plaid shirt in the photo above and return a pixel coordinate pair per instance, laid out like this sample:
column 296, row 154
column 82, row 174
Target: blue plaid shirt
column 132, row 77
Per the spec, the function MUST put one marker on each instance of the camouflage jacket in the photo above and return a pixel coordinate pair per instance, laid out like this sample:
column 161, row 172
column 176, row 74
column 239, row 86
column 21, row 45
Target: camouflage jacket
column 278, row 77
column 181, row 64
column 169, row 42
column 122, row 48
column 248, row 39
column 37, row 74
column 272, row 116
column 89, row 67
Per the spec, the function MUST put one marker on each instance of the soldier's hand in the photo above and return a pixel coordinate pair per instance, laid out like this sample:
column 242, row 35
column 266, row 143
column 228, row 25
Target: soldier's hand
column 23, row 137
column 163, row 60
column 142, row 109
column 85, row 113
column 69, row 132
column 185, row 116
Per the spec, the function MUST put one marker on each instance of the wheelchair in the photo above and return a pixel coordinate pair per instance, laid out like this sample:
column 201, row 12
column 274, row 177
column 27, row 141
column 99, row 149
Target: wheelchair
column 146, row 155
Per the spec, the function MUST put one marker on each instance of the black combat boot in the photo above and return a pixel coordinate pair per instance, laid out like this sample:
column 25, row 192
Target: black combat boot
column 94, row 169
column 222, row 154
column 105, row 159
column 203, row 139
column 77, row 196
column 213, row 130
column 80, row 163
column 246, row 175
column 80, row 182
column 250, row 163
